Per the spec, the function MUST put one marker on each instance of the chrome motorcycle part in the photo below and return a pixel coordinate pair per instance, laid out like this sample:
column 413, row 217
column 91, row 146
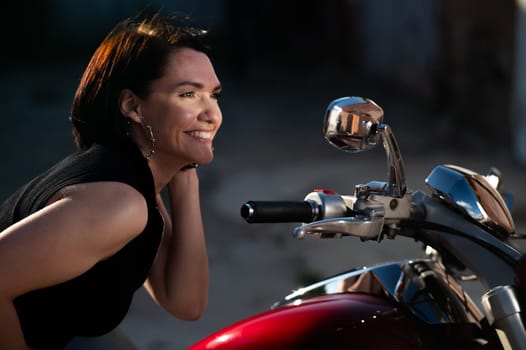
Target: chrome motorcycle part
column 474, row 195
column 392, row 209
column 363, row 227
column 494, row 177
column 395, row 163
column 503, row 310
column 422, row 286
column 329, row 205
column 350, row 124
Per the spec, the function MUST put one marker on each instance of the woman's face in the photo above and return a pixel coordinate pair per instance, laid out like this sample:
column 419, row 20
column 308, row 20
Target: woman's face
column 182, row 108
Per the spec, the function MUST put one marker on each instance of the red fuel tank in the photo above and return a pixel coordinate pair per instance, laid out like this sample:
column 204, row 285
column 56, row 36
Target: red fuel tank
column 340, row 321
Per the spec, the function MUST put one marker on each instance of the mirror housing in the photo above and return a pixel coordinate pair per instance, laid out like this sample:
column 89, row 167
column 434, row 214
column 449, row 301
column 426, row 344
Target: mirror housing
column 350, row 124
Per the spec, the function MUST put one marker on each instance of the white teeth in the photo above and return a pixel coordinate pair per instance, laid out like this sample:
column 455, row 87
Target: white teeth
column 201, row 134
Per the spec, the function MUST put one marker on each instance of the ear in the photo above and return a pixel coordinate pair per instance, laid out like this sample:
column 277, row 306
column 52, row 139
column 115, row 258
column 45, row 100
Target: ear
column 128, row 105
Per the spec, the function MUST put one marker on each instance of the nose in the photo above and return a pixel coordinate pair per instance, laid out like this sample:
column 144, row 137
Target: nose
column 211, row 113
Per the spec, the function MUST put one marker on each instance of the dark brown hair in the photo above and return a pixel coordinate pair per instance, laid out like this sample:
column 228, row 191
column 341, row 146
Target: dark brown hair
column 131, row 56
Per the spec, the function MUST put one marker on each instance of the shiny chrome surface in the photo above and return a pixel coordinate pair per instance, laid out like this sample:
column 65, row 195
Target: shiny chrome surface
column 350, row 124
column 422, row 286
column 363, row 227
column 503, row 310
column 395, row 163
column 328, row 205
column 473, row 194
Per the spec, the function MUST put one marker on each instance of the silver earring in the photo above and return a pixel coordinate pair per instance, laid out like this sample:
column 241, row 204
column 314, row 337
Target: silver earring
column 148, row 128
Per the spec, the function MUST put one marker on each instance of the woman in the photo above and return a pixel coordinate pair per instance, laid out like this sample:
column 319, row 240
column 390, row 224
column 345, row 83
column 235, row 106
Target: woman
column 77, row 241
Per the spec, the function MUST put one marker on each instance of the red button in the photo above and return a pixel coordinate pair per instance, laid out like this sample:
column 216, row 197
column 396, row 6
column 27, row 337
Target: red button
column 324, row 191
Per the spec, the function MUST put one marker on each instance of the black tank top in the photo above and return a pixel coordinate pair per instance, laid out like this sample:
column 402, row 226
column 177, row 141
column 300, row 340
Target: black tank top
column 95, row 302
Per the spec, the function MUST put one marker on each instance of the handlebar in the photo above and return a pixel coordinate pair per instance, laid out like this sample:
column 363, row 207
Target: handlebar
column 280, row 211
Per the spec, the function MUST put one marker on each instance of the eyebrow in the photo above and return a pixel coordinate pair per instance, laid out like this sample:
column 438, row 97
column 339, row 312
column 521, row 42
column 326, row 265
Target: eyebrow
column 196, row 85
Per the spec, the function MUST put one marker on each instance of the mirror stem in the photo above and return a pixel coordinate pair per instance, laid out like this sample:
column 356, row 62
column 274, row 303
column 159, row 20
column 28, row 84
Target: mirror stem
column 395, row 163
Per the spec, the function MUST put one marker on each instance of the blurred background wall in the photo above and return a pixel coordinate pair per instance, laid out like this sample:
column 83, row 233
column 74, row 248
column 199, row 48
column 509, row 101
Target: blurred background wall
column 457, row 56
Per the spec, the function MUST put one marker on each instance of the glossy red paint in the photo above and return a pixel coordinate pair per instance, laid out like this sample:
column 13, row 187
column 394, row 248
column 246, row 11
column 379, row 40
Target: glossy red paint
column 341, row 321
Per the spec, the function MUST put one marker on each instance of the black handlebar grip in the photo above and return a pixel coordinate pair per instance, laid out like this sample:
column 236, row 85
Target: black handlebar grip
column 279, row 211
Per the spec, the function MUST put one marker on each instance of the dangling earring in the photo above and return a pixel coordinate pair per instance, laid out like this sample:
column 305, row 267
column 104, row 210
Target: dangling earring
column 148, row 128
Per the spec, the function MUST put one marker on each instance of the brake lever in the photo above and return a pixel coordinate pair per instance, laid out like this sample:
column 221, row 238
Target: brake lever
column 364, row 227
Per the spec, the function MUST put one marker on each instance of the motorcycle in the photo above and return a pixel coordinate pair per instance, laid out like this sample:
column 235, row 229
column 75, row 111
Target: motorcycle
column 464, row 223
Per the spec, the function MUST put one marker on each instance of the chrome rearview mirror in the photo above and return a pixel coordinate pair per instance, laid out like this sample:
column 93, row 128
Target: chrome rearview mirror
column 355, row 124
column 350, row 124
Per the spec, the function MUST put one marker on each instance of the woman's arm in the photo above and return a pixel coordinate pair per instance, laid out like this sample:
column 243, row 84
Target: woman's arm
column 63, row 240
column 11, row 336
column 178, row 280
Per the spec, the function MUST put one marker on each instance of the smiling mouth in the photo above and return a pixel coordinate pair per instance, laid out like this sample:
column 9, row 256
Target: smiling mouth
column 201, row 135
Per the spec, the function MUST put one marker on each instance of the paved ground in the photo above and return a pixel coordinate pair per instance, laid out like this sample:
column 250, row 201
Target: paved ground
column 270, row 148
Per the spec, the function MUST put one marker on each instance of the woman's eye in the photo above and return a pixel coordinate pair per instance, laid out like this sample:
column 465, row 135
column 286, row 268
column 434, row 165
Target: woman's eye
column 216, row 95
column 188, row 94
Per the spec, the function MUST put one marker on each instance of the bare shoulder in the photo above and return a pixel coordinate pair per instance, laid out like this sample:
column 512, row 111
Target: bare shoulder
column 114, row 210
column 81, row 226
column 106, row 193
